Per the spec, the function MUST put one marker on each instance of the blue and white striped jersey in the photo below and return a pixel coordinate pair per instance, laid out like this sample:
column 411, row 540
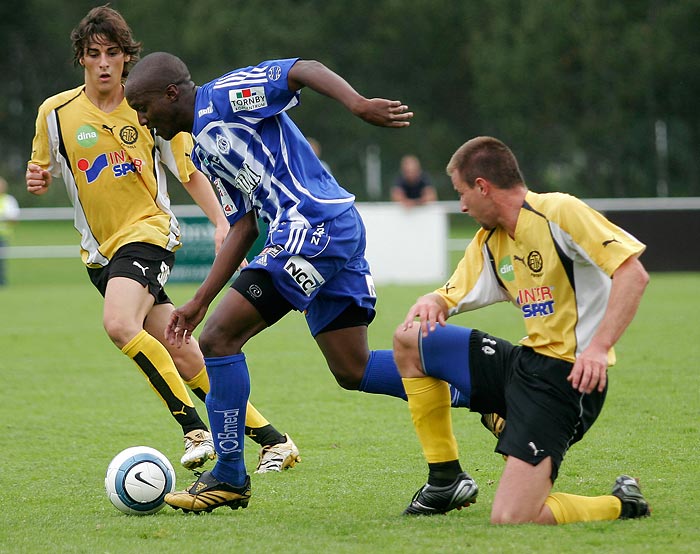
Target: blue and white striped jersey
column 255, row 154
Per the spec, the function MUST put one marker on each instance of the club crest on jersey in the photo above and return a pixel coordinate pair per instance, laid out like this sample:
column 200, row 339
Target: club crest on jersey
column 249, row 99
column 129, row 134
column 534, row 261
column 305, row 275
column 222, row 144
column 274, row 73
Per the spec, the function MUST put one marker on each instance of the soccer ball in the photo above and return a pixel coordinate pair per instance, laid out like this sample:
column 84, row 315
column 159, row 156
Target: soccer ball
column 138, row 479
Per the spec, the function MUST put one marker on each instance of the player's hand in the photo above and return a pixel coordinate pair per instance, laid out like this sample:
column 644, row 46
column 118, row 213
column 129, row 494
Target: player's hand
column 429, row 314
column 590, row 371
column 183, row 322
column 383, row 113
column 37, row 179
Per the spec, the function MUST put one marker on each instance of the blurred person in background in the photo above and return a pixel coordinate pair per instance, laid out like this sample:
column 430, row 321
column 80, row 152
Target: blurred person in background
column 9, row 213
column 412, row 186
column 316, row 147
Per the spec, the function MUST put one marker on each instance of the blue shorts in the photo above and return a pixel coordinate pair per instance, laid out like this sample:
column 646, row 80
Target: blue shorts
column 322, row 270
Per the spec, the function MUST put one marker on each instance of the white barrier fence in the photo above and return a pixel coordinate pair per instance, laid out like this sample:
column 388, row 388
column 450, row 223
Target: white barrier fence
column 403, row 245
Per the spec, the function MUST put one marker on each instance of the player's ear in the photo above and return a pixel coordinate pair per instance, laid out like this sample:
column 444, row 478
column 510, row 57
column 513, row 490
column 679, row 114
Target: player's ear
column 172, row 92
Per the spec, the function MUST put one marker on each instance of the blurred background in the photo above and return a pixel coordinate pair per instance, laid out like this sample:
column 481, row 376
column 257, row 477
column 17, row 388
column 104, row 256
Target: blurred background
column 596, row 98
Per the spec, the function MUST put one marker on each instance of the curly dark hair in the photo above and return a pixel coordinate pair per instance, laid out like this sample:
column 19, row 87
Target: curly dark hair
column 105, row 24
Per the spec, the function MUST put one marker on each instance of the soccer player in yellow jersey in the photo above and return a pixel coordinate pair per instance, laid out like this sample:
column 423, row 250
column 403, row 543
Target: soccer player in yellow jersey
column 114, row 172
column 577, row 281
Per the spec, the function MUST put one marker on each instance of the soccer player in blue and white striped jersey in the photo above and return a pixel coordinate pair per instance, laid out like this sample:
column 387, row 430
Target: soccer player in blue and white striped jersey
column 313, row 260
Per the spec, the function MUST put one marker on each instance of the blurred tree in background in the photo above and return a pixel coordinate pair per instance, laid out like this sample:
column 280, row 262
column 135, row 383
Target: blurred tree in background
column 595, row 97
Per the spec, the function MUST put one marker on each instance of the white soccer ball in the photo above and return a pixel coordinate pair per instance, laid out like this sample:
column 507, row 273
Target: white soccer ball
column 138, row 479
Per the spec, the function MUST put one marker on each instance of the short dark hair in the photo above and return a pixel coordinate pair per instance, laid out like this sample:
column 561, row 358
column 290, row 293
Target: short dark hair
column 108, row 24
column 489, row 158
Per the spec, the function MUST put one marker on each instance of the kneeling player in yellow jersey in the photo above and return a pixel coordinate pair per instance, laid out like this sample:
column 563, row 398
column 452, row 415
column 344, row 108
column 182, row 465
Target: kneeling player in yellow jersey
column 114, row 172
column 577, row 281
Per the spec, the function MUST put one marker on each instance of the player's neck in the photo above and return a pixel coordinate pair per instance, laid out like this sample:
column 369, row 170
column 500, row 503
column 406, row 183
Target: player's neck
column 105, row 100
column 510, row 202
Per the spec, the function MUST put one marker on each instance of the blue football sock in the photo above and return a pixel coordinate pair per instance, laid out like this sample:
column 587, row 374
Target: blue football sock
column 459, row 400
column 445, row 355
column 382, row 377
column 226, row 405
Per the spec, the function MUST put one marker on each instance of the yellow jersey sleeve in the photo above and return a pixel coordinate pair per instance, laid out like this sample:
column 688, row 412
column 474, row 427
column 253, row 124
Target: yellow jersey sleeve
column 596, row 237
column 474, row 283
column 176, row 155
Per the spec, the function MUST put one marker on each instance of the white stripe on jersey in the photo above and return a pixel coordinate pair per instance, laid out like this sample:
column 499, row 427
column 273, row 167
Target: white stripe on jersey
column 88, row 242
column 591, row 286
column 163, row 155
column 258, row 75
column 295, row 241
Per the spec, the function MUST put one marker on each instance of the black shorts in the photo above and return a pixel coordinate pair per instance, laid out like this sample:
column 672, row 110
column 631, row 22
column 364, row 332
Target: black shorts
column 544, row 414
column 144, row 263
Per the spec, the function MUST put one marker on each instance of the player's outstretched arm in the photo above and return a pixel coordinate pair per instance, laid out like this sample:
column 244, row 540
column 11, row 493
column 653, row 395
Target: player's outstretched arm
column 377, row 111
column 239, row 240
column 628, row 284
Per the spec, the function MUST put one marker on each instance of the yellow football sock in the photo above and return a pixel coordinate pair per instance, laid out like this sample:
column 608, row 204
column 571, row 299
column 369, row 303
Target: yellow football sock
column 571, row 508
column 155, row 362
column 253, row 418
column 199, row 381
column 429, row 403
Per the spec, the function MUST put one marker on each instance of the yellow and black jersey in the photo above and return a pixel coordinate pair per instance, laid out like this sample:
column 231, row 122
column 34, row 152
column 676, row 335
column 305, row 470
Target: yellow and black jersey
column 113, row 169
column 556, row 270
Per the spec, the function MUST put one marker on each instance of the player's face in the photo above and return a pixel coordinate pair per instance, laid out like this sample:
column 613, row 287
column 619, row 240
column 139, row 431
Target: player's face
column 104, row 63
column 154, row 110
column 474, row 202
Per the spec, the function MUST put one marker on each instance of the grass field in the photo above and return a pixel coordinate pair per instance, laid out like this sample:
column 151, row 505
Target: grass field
column 72, row 401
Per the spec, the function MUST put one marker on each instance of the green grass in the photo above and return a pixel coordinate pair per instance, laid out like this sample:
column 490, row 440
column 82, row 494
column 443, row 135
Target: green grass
column 72, row 401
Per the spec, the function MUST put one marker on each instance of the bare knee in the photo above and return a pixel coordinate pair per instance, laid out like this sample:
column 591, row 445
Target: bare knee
column 214, row 342
column 503, row 517
column 346, row 353
column 405, row 346
column 348, row 368
column 120, row 330
column 188, row 358
column 539, row 516
column 347, row 377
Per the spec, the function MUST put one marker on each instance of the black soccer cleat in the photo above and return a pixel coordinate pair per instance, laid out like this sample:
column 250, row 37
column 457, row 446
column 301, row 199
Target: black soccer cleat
column 207, row 493
column 430, row 499
column 634, row 504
